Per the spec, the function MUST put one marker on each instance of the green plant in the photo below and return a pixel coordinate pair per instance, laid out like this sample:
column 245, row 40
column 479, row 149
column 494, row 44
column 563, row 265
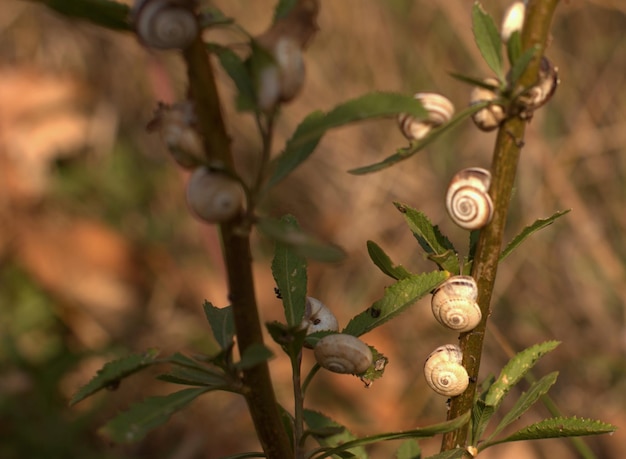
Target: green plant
column 281, row 433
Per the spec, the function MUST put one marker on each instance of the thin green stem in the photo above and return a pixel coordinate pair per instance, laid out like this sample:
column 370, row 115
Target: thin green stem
column 309, row 378
column 298, row 401
column 508, row 145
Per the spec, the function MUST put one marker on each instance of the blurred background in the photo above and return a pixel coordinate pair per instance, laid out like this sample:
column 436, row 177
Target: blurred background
column 99, row 256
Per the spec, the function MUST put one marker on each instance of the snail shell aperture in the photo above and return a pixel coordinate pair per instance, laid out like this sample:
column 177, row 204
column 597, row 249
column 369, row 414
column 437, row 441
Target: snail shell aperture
column 444, row 372
column 342, row 353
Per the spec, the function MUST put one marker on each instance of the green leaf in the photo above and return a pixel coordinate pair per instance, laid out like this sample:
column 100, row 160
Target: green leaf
column 196, row 377
column 396, row 299
column 556, row 428
column 105, row 13
column 514, row 48
column 438, row 247
column 515, row 370
column 417, row 146
column 310, row 131
column 134, row 424
column 474, row 81
column 455, row 453
column 319, row 422
column 536, row 226
column 384, row 263
column 487, row 39
column 289, row 271
column 303, row 244
column 254, row 355
column 283, row 8
column 409, row 449
column 481, row 415
column 290, row 339
column 238, row 72
column 526, row 400
column 112, row 372
column 521, row 63
column 222, row 324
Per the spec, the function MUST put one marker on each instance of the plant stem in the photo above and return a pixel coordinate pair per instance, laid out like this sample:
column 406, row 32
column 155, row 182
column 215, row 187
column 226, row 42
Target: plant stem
column 298, row 402
column 238, row 259
column 508, row 145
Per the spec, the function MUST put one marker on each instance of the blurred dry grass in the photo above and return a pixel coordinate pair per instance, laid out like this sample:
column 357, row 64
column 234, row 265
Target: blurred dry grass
column 93, row 215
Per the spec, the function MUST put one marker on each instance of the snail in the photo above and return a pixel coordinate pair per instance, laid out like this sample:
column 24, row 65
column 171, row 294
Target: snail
column 540, row 93
column 165, row 24
column 467, row 201
column 317, row 317
column 513, row 20
column 342, row 353
column 490, row 117
column 213, row 196
column 440, row 110
column 444, row 372
column 454, row 304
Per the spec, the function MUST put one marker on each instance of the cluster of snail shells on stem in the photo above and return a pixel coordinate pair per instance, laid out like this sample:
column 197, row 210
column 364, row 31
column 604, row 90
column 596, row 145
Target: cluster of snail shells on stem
column 165, row 24
column 454, row 304
column 444, row 371
column 214, row 196
column 440, row 111
column 491, row 116
column 467, row 200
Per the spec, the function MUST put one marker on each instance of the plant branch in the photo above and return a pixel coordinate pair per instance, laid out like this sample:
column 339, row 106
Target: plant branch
column 508, row 145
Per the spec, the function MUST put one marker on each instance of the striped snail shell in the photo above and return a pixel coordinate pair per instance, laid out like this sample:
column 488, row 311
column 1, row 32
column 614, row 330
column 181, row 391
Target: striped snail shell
column 317, row 317
column 542, row 92
column 165, row 24
column 490, row 117
column 214, row 196
column 341, row 353
column 444, row 371
column 467, row 201
column 440, row 110
column 454, row 304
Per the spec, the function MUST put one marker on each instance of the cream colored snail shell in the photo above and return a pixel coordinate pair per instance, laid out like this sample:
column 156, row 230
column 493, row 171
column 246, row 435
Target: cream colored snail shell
column 542, row 92
column 444, row 371
column 317, row 317
column 467, row 201
column 282, row 81
column 513, row 20
column 213, row 196
column 454, row 304
column 490, row 117
column 341, row 353
column 440, row 110
column 165, row 24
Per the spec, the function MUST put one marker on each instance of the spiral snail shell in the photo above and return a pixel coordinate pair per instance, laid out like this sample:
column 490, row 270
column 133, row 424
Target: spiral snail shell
column 165, row 24
column 542, row 92
column 454, row 304
column 444, row 371
column 317, row 317
column 490, row 117
column 342, row 353
column 467, row 201
column 440, row 110
column 213, row 196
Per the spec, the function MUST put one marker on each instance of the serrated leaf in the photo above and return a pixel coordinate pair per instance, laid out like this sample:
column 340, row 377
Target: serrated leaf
column 110, row 14
column 290, row 273
column 438, row 247
column 396, row 299
column 239, row 72
column 308, row 134
column 455, row 453
column 514, row 48
column 521, row 63
column 481, row 415
column 134, row 424
column 556, row 428
column 515, row 370
column 254, row 355
column 303, row 244
column 409, row 449
column 416, row 146
column 112, row 372
column 384, row 263
column 487, row 39
column 196, row 377
column 530, row 229
column 526, row 400
column 319, row 422
column 222, row 324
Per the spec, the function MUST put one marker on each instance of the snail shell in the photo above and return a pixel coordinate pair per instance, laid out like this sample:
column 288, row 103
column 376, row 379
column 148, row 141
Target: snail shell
column 467, row 201
column 513, row 20
column 490, row 117
column 454, row 304
column 341, row 353
column 165, row 24
column 542, row 92
column 213, row 196
column 317, row 317
column 444, row 371
column 440, row 110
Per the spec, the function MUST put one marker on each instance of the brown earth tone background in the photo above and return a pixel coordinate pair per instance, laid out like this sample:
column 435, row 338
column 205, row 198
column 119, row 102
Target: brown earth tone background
column 99, row 257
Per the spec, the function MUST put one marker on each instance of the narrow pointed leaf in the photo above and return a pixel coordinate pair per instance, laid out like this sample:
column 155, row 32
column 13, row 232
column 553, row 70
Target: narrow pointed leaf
column 319, row 422
column 473, row 81
column 409, row 449
column 237, row 70
column 515, row 370
column 106, row 13
column 536, row 226
column 455, row 453
column 481, row 415
column 289, row 271
column 195, row 377
column 556, row 428
column 514, row 48
column 384, row 263
column 521, row 63
column 396, row 299
column 438, row 247
column 487, row 38
column 134, row 424
column 254, row 355
column 113, row 372
column 526, row 400
column 222, row 324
